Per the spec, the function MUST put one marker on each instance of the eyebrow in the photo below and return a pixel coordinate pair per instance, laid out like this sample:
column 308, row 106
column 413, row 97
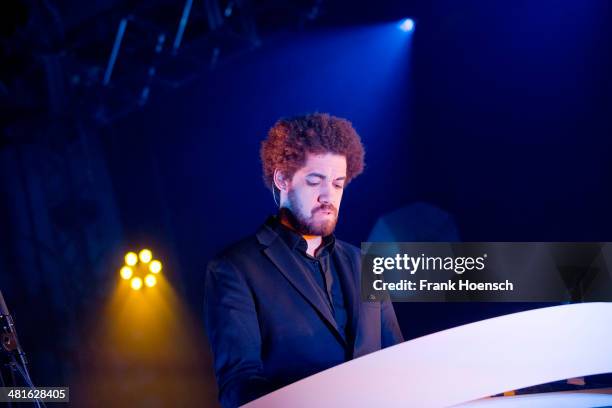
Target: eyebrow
column 323, row 177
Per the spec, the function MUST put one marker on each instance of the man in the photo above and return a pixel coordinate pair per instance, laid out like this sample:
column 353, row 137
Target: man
column 284, row 303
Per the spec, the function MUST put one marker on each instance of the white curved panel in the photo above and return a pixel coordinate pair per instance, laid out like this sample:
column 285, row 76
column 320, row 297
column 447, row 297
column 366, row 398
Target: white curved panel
column 465, row 363
column 547, row 400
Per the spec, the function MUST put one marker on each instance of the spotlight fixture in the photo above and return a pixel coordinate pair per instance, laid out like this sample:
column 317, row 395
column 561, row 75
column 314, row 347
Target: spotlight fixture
column 126, row 272
column 145, row 256
column 150, row 280
column 140, row 269
column 155, row 266
column 136, row 283
column 406, row 25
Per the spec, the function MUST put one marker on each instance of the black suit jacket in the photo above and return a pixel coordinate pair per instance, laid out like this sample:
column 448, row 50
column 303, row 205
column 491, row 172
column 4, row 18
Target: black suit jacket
column 269, row 326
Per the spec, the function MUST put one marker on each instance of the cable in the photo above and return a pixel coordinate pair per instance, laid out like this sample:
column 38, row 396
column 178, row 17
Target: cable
column 26, row 376
column 274, row 196
column 3, row 384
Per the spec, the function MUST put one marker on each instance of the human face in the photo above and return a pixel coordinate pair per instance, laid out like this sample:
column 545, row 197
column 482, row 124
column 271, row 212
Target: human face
column 314, row 194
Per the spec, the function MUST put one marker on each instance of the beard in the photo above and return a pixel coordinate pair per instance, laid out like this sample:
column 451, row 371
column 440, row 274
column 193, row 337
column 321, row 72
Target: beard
column 306, row 224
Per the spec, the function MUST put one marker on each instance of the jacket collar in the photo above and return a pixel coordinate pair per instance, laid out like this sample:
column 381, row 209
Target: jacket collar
column 277, row 250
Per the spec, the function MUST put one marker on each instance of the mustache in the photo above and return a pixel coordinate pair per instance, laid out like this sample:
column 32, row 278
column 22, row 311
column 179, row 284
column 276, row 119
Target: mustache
column 325, row 207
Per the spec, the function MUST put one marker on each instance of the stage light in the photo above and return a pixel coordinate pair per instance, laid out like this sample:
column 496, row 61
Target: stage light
column 136, row 283
column 126, row 272
column 145, row 256
column 131, row 258
column 150, row 280
column 141, row 269
column 406, row 25
column 155, row 266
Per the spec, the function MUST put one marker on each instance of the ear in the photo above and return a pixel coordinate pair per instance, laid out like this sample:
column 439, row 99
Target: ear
column 279, row 180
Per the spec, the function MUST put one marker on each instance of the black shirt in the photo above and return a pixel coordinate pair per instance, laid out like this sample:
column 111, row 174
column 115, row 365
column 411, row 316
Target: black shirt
column 323, row 271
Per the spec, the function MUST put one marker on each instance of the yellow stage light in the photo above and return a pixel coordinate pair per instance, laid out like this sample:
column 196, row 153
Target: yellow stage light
column 155, row 266
column 136, row 283
column 150, row 280
column 140, row 269
column 126, row 272
column 145, row 256
column 131, row 258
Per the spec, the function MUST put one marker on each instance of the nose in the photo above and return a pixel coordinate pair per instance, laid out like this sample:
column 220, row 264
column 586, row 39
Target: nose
column 325, row 194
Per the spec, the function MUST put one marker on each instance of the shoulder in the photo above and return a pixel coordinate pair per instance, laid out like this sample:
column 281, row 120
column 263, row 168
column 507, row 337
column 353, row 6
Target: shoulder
column 234, row 264
column 347, row 249
column 238, row 251
column 345, row 246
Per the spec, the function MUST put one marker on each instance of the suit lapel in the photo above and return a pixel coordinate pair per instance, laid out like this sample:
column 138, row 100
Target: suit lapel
column 280, row 254
column 350, row 287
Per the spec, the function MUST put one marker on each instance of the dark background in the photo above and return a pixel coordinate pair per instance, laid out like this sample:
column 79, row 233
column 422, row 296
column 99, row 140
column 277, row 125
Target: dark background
column 494, row 115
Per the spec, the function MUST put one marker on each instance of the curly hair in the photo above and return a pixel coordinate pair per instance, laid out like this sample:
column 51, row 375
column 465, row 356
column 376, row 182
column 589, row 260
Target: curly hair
column 290, row 139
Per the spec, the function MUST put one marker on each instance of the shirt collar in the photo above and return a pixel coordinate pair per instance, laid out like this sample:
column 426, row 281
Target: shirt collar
column 295, row 241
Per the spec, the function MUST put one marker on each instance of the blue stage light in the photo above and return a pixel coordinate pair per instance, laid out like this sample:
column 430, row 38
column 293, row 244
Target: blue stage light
column 406, row 25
